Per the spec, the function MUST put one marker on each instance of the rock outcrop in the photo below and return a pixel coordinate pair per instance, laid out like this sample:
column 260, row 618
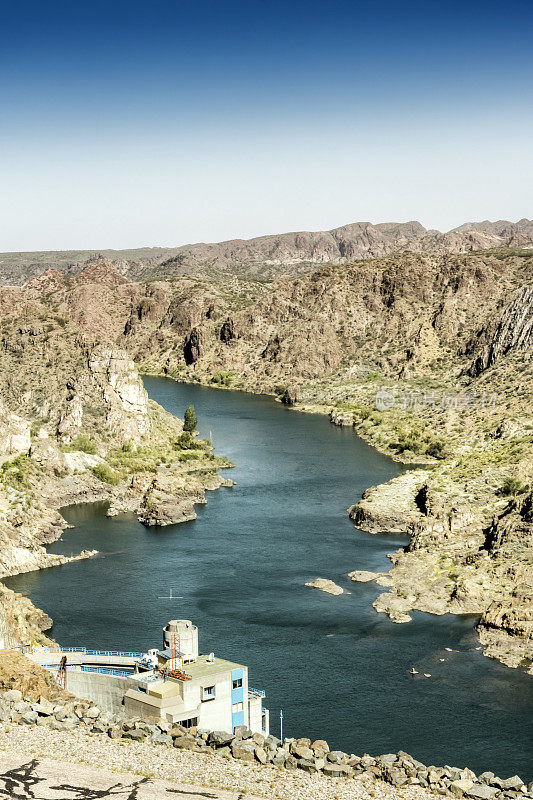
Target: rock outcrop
column 325, row 585
column 390, row 507
column 513, row 332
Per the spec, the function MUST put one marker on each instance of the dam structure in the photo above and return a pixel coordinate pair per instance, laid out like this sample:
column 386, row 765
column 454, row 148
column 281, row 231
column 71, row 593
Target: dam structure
column 176, row 683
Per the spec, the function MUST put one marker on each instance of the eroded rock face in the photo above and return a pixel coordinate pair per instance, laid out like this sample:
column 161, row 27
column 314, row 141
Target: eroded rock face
column 291, row 395
column 513, row 332
column 390, row 507
column 227, row 331
column 192, row 349
column 122, row 391
column 14, row 433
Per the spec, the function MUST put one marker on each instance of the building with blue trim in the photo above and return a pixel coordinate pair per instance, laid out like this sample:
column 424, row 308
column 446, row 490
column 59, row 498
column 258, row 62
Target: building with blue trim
column 206, row 691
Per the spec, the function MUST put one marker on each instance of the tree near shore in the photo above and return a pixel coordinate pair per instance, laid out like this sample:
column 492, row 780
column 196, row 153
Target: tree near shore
column 190, row 420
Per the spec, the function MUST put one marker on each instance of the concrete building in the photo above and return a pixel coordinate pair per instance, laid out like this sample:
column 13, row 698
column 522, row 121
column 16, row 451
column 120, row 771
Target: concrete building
column 176, row 684
column 193, row 689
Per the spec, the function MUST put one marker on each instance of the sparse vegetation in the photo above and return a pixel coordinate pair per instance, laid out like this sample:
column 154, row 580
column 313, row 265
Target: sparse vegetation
column 104, row 473
column 511, row 487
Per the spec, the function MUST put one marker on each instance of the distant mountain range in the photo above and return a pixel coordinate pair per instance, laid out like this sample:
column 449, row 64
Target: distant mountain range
column 285, row 253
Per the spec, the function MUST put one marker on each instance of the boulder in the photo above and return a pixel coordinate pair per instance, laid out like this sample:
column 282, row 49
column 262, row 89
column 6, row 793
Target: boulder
column 185, row 743
column 459, row 786
column 12, row 696
column 337, row 757
column 481, row 791
column 320, row 745
column 135, row 734
column 29, row 718
column 388, row 760
column 337, row 770
column 308, row 765
column 220, row 738
column 242, row 732
column 396, row 776
column 272, row 743
column 512, row 783
column 279, row 758
column 302, row 751
column 162, row 738
column 243, row 751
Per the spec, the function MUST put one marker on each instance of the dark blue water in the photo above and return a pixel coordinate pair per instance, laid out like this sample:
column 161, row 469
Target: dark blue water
column 338, row 669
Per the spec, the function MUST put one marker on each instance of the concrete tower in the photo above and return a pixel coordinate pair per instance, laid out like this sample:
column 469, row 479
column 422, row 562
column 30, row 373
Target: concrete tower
column 188, row 637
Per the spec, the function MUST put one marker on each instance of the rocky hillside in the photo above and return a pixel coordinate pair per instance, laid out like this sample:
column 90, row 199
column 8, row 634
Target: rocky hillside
column 286, row 253
column 76, row 425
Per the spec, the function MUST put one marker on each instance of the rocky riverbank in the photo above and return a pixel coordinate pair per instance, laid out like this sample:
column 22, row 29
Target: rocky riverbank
column 76, row 426
column 48, row 720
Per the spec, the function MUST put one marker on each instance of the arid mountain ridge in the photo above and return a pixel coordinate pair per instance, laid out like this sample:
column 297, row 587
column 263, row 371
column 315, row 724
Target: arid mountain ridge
column 288, row 253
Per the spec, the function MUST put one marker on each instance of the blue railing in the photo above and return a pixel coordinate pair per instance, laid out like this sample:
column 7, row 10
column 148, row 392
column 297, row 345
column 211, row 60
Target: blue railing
column 115, row 653
column 257, row 692
column 107, row 671
column 119, row 673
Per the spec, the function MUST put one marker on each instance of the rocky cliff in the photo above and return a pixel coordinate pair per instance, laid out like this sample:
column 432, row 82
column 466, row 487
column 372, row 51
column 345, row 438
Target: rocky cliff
column 76, row 425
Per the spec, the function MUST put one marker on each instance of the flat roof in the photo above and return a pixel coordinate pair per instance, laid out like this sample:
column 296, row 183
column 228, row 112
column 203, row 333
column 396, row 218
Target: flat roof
column 201, row 667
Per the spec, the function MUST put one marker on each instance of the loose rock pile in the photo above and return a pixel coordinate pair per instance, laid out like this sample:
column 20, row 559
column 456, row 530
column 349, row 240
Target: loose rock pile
column 398, row 769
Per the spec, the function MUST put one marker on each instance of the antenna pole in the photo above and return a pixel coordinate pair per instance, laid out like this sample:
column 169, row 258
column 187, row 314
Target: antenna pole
column 281, row 724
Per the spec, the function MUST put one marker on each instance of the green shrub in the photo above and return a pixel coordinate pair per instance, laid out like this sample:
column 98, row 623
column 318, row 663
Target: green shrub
column 221, row 378
column 83, row 443
column 436, row 448
column 16, row 472
column 106, row 474
column 511, row 487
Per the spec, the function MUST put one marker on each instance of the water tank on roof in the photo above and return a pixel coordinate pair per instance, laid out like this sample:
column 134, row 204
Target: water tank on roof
column 185, row 636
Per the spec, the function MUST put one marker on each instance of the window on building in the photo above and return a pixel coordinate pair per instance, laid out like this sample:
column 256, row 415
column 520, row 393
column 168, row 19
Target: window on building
column 236, row 707
column 237, row 683
column 189, row 723
column 208, row 693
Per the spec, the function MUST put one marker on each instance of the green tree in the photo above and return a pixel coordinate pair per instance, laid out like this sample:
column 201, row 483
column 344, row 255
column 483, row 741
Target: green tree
column 190, row 420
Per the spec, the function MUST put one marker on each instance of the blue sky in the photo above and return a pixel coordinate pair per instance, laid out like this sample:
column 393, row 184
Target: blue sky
column 127, row 124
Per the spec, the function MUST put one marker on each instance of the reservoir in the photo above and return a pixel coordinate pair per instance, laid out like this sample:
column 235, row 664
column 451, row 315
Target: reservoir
column 339, row 670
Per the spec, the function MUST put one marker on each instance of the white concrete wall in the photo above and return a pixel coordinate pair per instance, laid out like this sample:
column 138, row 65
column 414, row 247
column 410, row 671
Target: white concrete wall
column 214, row 714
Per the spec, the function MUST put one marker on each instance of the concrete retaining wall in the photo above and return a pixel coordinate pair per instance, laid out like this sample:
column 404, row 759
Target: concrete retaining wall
column 105, row 691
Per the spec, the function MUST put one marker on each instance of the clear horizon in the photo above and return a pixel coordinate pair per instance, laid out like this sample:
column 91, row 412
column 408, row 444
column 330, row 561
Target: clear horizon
column 126, row 125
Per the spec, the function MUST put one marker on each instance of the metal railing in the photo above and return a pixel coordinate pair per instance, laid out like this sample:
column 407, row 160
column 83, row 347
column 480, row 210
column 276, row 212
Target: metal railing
column 256, row 692
column 100, row 670
column 85, row 651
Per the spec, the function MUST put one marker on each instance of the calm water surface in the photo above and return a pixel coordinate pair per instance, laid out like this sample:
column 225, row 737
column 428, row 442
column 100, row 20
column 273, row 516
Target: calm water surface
column 338, row 669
